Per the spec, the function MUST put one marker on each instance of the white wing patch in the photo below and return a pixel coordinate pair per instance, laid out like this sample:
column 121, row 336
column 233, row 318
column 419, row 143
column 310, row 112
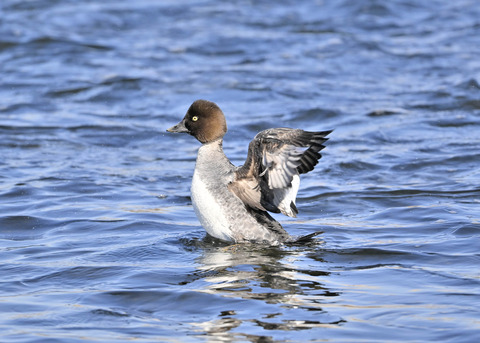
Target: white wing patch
column 288, row 196
column 281, row 165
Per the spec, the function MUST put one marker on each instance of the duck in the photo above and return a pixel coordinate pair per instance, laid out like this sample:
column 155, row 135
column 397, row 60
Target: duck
column 232, row 202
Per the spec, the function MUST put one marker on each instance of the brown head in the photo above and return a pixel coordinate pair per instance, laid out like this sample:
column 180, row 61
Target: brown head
column 204, row 121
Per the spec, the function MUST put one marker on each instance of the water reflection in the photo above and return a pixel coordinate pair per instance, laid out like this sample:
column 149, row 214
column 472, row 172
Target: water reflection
column 275, row 288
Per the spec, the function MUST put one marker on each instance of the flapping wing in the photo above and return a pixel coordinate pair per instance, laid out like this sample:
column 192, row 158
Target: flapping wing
column 269, row 179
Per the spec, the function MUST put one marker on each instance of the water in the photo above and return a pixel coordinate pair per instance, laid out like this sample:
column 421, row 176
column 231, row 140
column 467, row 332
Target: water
column 99, row 241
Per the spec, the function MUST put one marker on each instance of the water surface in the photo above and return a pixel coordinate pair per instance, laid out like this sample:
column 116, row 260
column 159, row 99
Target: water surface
column 98, row 238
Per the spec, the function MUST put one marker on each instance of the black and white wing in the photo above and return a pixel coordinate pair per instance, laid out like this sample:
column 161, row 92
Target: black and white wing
column 269, row 179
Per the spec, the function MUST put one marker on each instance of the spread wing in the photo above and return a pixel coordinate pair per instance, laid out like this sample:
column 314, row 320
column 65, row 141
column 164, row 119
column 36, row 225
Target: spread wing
column 269, row 179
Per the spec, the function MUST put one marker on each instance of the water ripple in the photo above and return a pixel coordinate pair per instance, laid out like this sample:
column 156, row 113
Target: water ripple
column 98, row 236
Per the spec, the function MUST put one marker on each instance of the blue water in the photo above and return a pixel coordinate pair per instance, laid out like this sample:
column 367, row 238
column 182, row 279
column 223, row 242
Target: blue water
column 98, row 238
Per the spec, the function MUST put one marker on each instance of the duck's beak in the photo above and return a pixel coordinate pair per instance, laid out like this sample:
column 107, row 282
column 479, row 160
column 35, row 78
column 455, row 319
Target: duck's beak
column 179, row 128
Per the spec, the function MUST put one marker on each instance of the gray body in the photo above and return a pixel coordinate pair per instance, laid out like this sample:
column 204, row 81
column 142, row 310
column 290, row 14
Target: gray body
column 222, row 214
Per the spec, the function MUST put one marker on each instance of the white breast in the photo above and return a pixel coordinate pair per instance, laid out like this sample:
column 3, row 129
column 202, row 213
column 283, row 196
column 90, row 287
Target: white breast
column 209, row 211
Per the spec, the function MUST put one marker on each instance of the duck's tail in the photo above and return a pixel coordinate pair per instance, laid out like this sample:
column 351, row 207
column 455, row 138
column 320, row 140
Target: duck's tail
column 304, row 239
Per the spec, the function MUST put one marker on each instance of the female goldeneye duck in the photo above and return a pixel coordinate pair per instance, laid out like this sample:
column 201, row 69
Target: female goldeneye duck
column 232, row 203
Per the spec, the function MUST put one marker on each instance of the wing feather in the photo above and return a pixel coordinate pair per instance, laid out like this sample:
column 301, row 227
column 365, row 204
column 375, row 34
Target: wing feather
column 269, row 179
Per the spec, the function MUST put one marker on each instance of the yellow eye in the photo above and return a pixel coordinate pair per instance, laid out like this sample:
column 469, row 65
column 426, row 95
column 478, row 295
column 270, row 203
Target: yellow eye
column 194, row 118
